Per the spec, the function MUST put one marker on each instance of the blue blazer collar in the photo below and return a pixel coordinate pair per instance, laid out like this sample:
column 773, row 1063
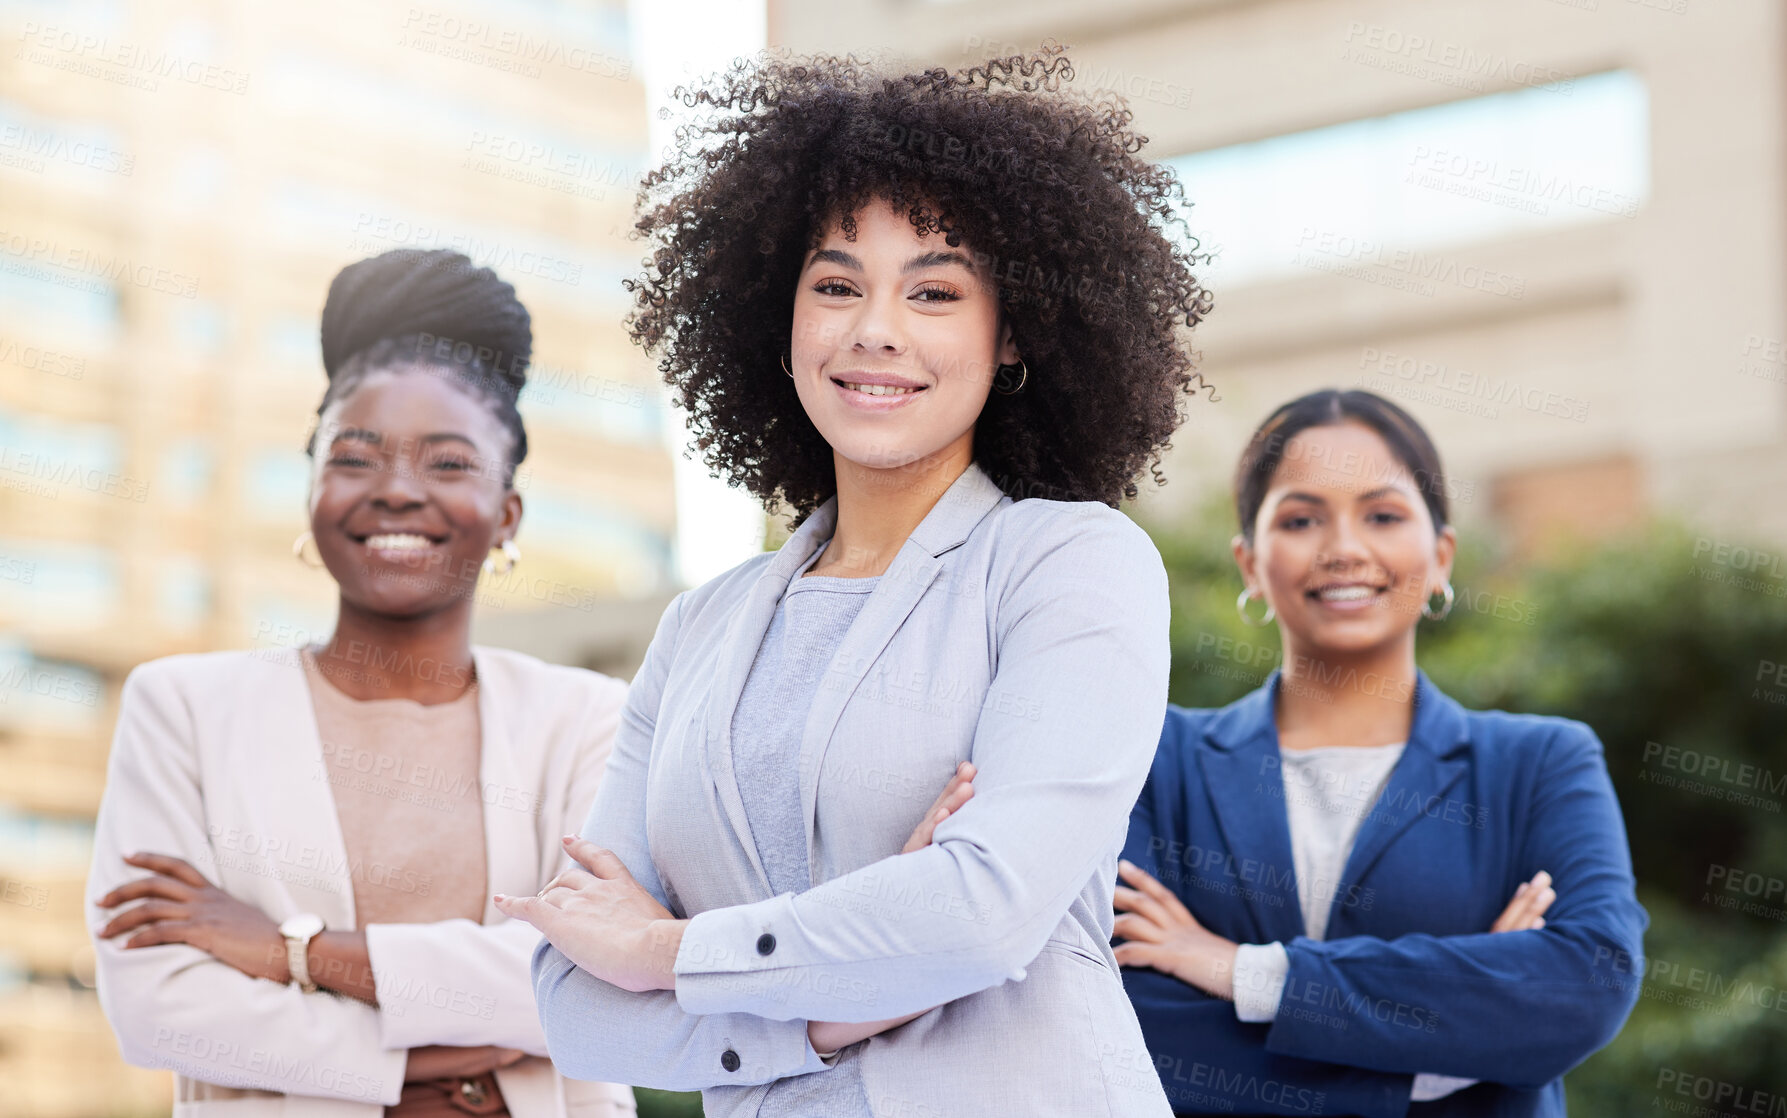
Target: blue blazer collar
column 1439, row 726
column 1245, row 783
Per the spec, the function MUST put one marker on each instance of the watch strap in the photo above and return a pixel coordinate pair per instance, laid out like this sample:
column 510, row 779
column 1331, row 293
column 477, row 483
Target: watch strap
column 297, row 958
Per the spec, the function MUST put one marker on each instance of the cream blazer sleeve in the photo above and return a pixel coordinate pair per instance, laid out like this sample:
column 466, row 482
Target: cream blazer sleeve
column 174, row 1006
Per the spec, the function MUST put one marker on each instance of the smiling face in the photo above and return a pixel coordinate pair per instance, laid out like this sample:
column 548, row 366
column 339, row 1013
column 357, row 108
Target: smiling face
column 896, row 341
column 407, row 495
column 1344, row 548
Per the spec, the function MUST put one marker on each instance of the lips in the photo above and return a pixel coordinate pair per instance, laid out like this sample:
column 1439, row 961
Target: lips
column 399, row 546
column 1346, row 595
column 875, row 392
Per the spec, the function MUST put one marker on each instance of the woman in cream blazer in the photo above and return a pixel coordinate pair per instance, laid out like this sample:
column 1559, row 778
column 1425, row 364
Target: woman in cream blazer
column 217, row 762
column 292, row 873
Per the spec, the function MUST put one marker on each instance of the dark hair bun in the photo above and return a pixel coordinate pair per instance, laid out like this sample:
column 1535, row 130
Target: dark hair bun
column 468, row 311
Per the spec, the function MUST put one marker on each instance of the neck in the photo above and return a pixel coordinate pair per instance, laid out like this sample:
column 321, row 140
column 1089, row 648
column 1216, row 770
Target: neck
column 427, row 658
column 879, row 508
column 1361, row 698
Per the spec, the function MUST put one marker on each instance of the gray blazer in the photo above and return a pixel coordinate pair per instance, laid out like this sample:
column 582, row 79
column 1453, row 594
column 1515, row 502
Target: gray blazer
column 1029, row 637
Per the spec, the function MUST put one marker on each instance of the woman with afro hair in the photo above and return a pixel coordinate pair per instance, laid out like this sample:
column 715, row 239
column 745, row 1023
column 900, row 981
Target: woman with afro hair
column 936, row 317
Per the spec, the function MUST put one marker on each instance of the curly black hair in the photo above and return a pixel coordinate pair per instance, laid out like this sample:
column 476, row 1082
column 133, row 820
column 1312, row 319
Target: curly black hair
column 1042, row 183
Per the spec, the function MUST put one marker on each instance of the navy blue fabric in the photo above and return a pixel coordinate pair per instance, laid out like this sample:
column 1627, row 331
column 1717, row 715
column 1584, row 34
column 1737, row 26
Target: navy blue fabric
column 1408, row 979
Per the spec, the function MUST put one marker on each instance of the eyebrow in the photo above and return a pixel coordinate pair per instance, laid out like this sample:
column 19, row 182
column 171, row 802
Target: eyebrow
column 367, row 435
column 1368, row 495
column 917, row 263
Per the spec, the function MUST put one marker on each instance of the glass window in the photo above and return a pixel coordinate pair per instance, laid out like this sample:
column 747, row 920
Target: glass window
column 570, row 522
column 1469, row 171
column 39, row 692
column 186, row 467
column 278, row 483
column 87, row 314
column 183, row 592
column 69, row 585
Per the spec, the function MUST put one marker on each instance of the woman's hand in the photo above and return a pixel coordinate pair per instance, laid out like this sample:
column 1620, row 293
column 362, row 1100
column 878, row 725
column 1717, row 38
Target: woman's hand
column 1526, row 912
column 957, row 792
column 181, row 906
column 438, row 1061
column 1163, row 934
column 604, row 921
column 828, row 1036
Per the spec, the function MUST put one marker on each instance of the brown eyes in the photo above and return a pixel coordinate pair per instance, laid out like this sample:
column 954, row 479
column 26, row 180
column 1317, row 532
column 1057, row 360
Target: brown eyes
column 942, row 293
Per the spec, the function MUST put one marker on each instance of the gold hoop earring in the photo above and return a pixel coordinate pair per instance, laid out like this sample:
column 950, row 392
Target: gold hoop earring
column 785, row 367
column 511, row 556
column 1247, row 593
column 1427, row 606
column 1021, row 380
column 298, row 551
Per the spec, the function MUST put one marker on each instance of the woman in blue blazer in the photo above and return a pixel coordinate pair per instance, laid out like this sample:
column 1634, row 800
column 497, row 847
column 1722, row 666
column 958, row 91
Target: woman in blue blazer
column 937, row 315
column 1317, row 918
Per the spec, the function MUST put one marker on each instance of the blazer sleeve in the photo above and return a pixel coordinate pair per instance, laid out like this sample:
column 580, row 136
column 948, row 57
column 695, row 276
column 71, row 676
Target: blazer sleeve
column 1518, row 1008
column 598, row 1031
column 174, row 1006
column 1082, row 640
column 488, row 998
column 1210, row 1062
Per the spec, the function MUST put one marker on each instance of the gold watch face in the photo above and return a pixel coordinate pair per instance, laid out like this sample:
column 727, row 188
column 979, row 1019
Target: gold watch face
column 302, row 926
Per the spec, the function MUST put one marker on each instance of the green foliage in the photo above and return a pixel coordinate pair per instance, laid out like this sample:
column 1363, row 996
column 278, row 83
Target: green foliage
column 1667, row 655
column 667, row 1104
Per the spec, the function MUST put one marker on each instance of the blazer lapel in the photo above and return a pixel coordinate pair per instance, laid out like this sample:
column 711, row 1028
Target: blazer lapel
column 299, row 804
column 737, row 651
column 1245, row 785
column 1431, row 763
column 963, row 505
column 510, row 849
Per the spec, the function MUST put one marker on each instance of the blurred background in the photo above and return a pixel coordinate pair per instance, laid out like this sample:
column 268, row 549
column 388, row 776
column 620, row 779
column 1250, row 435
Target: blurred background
column 1551, row 229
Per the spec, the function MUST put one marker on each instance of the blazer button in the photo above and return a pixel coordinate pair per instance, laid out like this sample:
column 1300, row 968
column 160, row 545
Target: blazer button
column 729, row 1060
column 765, row 943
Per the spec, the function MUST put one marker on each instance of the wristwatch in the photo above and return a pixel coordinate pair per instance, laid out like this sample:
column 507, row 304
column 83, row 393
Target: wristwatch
column 298, row 932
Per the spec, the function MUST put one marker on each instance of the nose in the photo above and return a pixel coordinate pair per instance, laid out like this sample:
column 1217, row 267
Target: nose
column 876, row 329
column 1343, row 549
column 398, row 488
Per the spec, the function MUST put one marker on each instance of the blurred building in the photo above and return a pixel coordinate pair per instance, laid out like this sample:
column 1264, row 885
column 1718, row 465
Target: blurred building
column 178, row 184
column 1552, row 229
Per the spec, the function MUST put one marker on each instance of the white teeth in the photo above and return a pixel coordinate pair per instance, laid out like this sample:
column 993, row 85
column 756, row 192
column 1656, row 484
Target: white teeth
column 879, row 389
column 394, row 542
column 1347, row 593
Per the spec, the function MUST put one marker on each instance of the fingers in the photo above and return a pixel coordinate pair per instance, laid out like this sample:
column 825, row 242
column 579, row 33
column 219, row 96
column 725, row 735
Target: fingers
column 507, row 1056
column 164, row 931
column 1147, row 883
column 528, row 910
column 1526, row 910
column 146, row 913
column 599, row 860
column 1139, row 955
column 957, row 792
column 174, row 867
column 1138, row 929
column 157, row 886
column 1132, row 900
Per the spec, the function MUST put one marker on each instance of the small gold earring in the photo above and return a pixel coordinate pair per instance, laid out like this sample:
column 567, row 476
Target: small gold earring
column 785, row 367
column 298, row 551
column 1021, row 380
column 511, row 556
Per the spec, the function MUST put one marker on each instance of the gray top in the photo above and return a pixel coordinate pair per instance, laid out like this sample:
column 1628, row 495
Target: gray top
column 810, row 622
